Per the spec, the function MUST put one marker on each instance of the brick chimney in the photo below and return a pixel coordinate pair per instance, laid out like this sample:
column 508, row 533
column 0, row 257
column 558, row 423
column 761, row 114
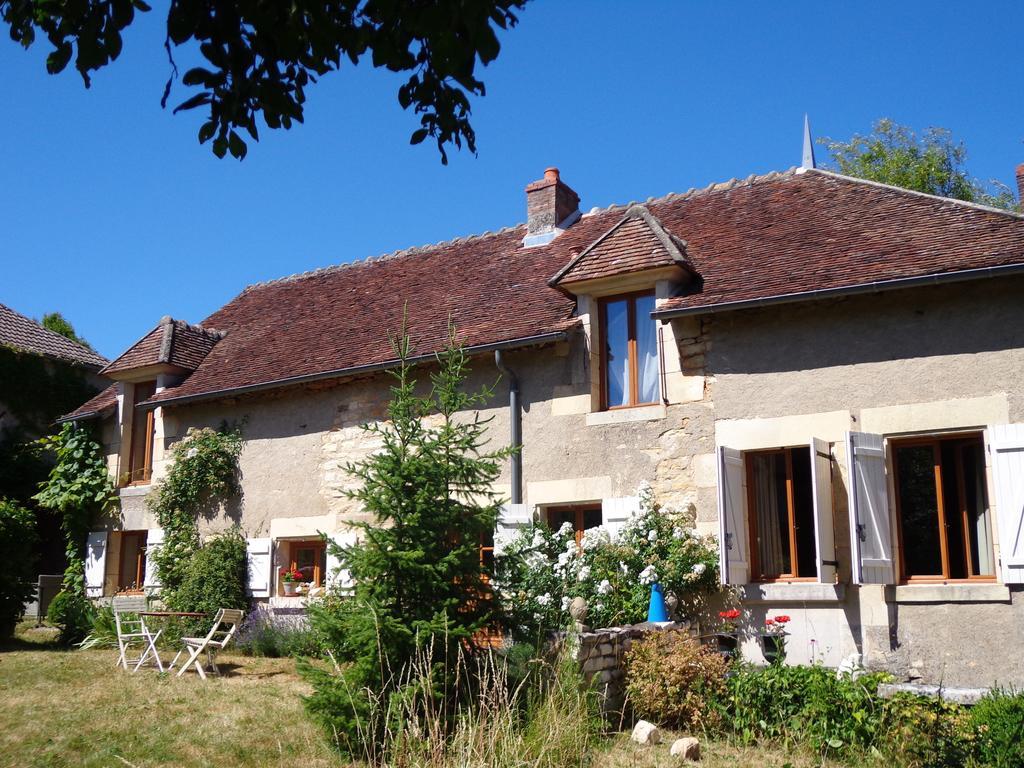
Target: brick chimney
column 551, row 207
column 1020, row 185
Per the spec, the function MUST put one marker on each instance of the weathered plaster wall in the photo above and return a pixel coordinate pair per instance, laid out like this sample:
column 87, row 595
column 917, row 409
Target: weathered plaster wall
column 933, row 358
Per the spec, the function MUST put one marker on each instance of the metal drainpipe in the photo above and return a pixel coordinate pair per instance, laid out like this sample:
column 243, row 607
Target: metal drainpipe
column 516, row 418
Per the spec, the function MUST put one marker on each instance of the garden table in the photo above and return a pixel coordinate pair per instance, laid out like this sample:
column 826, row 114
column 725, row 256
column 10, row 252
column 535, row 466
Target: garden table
column 151, row 651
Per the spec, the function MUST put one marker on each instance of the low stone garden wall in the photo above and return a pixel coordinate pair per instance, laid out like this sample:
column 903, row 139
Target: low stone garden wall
column 601, row 656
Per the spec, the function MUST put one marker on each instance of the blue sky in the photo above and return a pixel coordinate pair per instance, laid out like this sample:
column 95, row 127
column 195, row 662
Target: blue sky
column 112, row 214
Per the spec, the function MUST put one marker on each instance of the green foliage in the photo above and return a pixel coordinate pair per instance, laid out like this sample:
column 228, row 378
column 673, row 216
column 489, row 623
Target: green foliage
column 17, row 553
column 805, row 704
column 923, row 732
column 78, row 488
column 204, row 470
column 216, row 577
column 932, row 163
column 540, row 571
column 36, row 390
column 56, row 322
column 259, row 58
column 102, row 629
column 72, row 613
column 262, row 636
column 674, row 680
column 419, row 587
column 998, row 720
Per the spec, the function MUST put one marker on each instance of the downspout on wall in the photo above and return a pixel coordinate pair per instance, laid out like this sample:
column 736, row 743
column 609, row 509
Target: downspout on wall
column 515, row 413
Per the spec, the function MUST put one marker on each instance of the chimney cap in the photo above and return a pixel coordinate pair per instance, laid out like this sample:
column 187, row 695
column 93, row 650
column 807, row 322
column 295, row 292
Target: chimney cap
column 551, row 173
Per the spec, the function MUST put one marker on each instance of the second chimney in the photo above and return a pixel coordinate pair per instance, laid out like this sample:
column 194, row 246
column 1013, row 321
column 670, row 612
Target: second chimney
column 1020, row 186
column 551, row 207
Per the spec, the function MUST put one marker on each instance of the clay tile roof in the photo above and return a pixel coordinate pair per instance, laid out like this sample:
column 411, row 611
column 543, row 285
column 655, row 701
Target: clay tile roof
column 19, row 332
column 816, row 230
column 763, row 236
column 637, row 242
column 98, row 406
column 172, row 342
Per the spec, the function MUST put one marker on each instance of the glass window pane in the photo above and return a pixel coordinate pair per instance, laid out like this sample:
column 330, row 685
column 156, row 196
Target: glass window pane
column 803, row 514
column 772, row 510
column 979, row 525
column 919, row 510
column 591, row 518
column 617, row 353
column 648, row 388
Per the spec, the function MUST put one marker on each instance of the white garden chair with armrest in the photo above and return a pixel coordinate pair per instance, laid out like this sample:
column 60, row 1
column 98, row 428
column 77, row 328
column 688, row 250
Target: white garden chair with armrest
column 224, row 626
column 132, row 630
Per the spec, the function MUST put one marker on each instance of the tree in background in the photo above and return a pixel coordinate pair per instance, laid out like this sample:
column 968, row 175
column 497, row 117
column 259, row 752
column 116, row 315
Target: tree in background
column 17, row 553
column 420, row 590
column 56, row 322
column 259, row 57
column 933, row 163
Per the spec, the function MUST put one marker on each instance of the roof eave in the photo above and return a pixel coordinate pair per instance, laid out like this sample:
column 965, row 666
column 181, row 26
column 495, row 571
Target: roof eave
column 526, row 341
column 876, row 286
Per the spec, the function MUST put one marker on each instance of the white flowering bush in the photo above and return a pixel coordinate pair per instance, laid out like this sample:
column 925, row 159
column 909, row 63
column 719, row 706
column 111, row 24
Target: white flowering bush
column 540, row 571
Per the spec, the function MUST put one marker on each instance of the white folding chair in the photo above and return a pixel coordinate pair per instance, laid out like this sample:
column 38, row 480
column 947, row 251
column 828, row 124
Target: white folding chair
column 132, row 630
column 220, row 634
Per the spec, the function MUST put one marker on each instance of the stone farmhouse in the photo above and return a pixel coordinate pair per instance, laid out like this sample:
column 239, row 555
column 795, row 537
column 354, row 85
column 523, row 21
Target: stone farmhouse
column 829, row 369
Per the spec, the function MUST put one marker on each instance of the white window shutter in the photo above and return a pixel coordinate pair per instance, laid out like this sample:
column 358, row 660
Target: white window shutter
column 338, row 577
column 732, row 503
column 821, row 483
column 95, row 563
column 870, row 521
column 511, row 519
column 1007, row 446
column 616, row 512
column 260, row 567
column 154, row 540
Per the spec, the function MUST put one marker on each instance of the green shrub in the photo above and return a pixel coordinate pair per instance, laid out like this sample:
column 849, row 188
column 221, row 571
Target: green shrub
column 805, row 704
column 260, row 636
column 103, row 630
column 998, row 720
column 72, row 613
column 925, row 732
column 17, row 553
column 675, row 681
column 216, row 578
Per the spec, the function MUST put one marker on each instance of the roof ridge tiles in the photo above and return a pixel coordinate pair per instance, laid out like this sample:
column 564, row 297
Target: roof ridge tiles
column 414, row 250
column 913, row 192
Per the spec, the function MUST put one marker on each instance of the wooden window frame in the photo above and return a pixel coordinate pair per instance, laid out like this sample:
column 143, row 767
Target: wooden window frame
column 634, row 372
column 146, row 469
column 140, row 562
column 755, row 567
column 317, row 545
column 579, row 511
column 935, row 441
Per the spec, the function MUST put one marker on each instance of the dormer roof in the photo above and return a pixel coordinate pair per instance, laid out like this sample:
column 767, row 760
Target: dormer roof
column 637, row 242
column 172, row 343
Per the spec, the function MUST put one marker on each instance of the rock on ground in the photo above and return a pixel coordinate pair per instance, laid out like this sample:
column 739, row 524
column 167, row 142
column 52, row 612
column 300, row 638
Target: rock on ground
column 646, row 733
column 688, row 748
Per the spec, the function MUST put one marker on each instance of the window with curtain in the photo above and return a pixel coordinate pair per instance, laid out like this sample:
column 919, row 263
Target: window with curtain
column 780, row 500
column 942, row 508
column 629, row 357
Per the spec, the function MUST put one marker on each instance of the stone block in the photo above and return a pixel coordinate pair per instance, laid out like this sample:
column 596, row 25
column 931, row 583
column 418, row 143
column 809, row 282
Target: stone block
column 687, row 748
column 646, row 733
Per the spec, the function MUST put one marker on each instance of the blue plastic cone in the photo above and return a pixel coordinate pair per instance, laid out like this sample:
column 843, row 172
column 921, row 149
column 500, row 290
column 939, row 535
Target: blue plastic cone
column 656, row 610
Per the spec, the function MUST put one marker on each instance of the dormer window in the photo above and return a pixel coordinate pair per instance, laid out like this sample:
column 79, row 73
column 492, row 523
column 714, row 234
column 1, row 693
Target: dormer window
column 629, row 353
column 140, row 459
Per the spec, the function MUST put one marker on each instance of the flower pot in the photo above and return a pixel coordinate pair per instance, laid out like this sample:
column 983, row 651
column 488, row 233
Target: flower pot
column 774, row 648
column 290, row 588
column 728, row 642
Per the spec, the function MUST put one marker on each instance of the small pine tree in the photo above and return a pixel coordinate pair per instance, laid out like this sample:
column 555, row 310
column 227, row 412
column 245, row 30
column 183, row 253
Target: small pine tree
column 419, row 586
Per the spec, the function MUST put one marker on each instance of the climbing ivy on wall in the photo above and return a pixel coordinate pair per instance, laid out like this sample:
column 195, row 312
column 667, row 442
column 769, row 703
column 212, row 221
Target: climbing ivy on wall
column 204, row 471
column 79, row 489
column 35, row 390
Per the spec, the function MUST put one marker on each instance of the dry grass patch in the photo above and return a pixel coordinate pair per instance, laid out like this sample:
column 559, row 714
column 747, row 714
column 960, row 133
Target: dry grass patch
column 60, row 708
column 625, row 753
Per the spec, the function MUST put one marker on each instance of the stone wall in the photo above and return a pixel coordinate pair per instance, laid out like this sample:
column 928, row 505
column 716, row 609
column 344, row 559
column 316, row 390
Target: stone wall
column 601, row 655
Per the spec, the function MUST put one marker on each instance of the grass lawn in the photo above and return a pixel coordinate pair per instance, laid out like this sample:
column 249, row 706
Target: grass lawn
column 63, row 708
